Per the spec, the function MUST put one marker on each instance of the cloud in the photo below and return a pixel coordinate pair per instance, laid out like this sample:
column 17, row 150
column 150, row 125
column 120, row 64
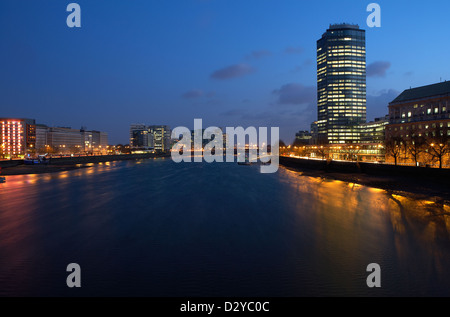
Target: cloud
column 377, row 105
column 296, row 94
column 408, row 74
column 378, row 69
column 193, row 94
column 258, row 54
column 233, row 71
column 294, row 50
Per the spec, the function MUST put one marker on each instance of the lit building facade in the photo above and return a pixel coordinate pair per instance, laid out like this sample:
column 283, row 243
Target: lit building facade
column 303, row 138
column 41, row 137
column 161, row 136
column 374, row 131
column 314, row 133
column 420, row 112
column 94, row 142
column 143, row 139
column 341, row 84
column 137, row 135
column 371, row 147
column 99, row 141
column 64, row 138
column 17, row 137
column 70, row 141
column 157, row 137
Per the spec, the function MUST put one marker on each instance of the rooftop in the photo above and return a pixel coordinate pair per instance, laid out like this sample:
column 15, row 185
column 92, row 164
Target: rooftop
column 344, row 26
column 424, row 92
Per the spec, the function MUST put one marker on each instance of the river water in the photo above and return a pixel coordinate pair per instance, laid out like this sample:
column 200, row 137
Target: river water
column 157, row 228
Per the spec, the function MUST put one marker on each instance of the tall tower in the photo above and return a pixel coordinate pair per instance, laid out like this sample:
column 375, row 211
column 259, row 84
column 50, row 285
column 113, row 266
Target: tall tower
column 341, row 84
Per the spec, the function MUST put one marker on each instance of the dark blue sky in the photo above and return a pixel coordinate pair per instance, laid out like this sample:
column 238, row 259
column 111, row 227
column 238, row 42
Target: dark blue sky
column 229, row 62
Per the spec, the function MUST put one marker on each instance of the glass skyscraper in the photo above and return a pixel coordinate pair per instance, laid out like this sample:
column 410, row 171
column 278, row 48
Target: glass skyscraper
column 341, row 84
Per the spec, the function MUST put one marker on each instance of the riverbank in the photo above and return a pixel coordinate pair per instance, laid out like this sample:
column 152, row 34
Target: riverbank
column 39, row 169
column 55, row 165
column 423, row 182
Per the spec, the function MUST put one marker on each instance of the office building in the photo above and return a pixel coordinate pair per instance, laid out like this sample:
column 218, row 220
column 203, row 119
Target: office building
column 161, row 137
column 314, row 133
column 136, row 135
column 374, row 131
column 17, row 137
column 94, row 141
column 157, row 137
column 65, row 140
column 341, row 84
column 41, row 137
column 420, row 112
column 303, row 138
column 143, row 139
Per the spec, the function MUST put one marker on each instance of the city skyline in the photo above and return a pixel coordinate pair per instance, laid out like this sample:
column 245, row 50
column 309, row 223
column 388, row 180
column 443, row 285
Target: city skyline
column 146, row 61
column 224, row 155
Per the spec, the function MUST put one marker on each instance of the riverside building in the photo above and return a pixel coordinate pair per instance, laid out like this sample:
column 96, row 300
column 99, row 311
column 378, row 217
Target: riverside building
column 17, row 137
column 420, row 112
column 341, row 84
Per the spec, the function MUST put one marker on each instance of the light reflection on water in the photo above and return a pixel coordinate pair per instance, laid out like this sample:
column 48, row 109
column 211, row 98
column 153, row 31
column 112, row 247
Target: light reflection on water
column 156, row 228
column 411, row 236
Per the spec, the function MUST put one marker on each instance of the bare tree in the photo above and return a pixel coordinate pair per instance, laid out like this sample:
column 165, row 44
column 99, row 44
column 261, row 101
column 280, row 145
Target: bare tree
column 304, row 151
column 322, row 151
column 415, row 147
column 74, row 150
column 393, row 148
column 404, row 149
column 52, row 149
column 438, row 144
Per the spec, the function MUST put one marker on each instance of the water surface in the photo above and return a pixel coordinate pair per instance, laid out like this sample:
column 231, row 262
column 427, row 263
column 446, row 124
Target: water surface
column 156, row 228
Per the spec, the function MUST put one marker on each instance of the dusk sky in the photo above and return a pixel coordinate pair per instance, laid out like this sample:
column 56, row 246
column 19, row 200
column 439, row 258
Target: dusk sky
column 229, row 62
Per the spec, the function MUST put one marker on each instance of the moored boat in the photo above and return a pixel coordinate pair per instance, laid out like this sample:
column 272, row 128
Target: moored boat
column 31, row 162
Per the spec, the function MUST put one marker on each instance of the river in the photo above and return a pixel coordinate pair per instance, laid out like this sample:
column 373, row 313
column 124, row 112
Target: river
column 157, row 228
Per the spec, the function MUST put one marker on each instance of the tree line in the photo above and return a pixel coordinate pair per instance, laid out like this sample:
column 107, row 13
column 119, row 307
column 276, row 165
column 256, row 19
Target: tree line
column 419, row 149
